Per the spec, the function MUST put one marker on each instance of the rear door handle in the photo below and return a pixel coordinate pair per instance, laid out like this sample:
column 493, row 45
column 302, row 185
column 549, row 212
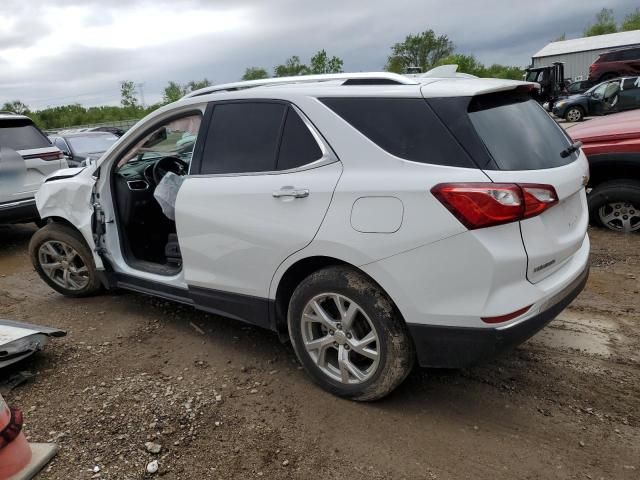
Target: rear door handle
column 291, row 192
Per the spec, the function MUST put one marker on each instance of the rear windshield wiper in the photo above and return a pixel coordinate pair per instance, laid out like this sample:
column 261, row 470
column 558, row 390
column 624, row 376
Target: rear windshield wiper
column 574, row 147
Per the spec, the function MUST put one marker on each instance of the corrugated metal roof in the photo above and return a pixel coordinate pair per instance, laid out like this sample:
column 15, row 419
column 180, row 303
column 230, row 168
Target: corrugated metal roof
column 611, row 40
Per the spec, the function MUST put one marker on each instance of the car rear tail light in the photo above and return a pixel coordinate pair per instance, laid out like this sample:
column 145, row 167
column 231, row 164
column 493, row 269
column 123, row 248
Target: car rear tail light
column 508, row 316
column 13, row 429
column 480, row 205
column 47, row 157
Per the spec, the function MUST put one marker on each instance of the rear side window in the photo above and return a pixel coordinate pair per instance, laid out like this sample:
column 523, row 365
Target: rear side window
column 404, row 127
column 298, row 146
column 243, row 137
column 518, row 133
column 21, row 135
column 631, row 54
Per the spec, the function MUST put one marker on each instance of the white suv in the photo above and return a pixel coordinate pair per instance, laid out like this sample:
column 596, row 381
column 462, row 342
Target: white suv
column 26, row 158
column 372, row 219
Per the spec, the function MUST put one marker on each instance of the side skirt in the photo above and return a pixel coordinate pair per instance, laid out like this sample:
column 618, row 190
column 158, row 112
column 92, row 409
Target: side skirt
column 245, row 308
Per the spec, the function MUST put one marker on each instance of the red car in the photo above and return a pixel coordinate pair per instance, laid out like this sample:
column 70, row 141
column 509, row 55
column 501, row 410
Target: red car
column 617, row 63
column 612, row 145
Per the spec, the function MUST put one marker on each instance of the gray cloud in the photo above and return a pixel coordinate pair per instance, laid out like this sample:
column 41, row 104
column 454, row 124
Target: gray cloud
column 496, row 31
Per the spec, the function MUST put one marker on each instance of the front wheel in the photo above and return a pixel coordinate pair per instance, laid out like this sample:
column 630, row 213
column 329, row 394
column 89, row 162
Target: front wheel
column 616, row 205
column 63, row 260
column 348, row 336
column 574, row 114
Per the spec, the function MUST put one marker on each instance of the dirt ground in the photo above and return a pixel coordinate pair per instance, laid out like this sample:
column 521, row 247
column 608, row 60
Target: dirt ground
column 224, row 400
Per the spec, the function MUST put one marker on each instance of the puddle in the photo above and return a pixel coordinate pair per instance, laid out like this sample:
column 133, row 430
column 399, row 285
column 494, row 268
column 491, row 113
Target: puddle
column 588, row 334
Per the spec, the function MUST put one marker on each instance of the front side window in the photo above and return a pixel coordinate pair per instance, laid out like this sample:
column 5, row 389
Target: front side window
column 175, row 138
column 253, row 137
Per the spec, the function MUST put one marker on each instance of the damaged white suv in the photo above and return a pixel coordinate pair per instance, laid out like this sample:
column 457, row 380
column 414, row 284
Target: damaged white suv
column 373, row 219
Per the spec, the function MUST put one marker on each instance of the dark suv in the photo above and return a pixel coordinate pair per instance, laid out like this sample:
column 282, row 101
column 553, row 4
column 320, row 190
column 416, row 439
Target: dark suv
column 617, row 63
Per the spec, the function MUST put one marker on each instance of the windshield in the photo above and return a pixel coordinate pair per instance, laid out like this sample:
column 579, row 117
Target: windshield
column 83, row 145
column 518, row 133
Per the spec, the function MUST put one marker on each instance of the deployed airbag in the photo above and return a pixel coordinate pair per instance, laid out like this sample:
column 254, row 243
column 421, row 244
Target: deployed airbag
column 166, row 193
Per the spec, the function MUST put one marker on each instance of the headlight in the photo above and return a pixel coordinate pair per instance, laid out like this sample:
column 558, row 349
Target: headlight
column 560, row 104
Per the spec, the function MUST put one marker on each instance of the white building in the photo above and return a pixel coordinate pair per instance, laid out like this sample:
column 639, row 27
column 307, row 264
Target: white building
column 579, row 53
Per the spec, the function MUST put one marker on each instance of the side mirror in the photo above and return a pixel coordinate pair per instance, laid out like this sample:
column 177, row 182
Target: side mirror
column 87, row 162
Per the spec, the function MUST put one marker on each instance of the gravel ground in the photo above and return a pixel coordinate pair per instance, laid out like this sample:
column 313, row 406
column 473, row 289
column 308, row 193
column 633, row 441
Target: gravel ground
column 220, row 399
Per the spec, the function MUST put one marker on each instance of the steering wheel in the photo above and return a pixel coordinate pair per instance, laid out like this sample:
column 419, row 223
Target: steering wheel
column 169, row 164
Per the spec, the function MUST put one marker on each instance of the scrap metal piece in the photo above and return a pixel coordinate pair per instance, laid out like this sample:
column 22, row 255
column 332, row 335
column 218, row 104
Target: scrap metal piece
column 18, row 340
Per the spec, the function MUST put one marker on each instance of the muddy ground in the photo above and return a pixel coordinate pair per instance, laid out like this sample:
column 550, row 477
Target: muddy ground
column 224, row 400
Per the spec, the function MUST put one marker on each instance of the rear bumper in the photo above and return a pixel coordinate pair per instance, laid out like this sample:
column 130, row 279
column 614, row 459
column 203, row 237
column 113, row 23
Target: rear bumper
column 19, row 211
column 459, row 347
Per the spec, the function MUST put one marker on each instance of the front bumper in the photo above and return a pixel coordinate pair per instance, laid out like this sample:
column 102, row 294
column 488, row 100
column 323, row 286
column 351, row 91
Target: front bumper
column 19, row 211
column 458, row 347
column 559, row 111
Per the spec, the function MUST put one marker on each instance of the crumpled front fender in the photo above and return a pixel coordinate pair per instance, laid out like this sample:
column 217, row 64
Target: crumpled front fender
column 70, row 198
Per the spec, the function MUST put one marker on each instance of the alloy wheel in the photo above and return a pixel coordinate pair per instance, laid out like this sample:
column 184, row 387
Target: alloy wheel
column 63, row 265
column 340, row 338
column 620, row 216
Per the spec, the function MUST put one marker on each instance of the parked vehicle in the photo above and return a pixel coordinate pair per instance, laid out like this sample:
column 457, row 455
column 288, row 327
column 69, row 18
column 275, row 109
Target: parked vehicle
column 612, row 146
column 552, row 83
column 616, row 63
column 608, row 97
column 79, row 146
column 578, row 87
column 26, row 158
column 370, row 218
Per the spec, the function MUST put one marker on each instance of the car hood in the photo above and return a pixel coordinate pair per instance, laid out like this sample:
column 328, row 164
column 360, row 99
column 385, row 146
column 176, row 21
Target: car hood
column 619, row 125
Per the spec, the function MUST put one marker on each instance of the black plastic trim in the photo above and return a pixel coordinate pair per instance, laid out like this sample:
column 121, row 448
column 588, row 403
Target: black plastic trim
column 458, row 347
column 26, row 212
column 246, row 308
column 149, row 287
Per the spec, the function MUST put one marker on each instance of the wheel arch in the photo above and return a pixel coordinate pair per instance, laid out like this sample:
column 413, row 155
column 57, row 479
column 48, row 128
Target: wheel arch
column 297, row 272
column 607, row 167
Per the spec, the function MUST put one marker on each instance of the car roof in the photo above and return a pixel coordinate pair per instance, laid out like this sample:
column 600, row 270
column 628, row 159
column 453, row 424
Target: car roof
column 334, row 86
column 13, row 116
column 624, row 123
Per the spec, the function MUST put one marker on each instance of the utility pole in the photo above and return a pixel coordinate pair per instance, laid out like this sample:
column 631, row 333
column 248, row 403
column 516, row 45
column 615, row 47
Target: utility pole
column 141, row 91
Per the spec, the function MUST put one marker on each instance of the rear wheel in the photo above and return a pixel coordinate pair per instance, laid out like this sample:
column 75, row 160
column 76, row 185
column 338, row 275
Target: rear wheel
column 574, row 114
column 616, row 205
column 64, row 261
column 348, row 336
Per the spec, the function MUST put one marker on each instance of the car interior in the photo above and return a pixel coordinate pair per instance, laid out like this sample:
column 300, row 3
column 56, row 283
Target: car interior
column 144, row 212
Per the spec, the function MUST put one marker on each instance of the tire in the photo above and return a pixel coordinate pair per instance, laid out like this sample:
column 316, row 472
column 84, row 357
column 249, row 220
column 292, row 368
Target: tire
column 375, row 315
column 75, row 273
column 574, row 114
column 616, row 196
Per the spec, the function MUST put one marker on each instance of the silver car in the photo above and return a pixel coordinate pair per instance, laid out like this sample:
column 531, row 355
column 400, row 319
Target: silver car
column 26, row 158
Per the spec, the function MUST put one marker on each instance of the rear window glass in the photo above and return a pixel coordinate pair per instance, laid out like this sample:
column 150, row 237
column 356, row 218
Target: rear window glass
column 518, row 133
column 298, row 146
column 404, row 127
column 21, row 135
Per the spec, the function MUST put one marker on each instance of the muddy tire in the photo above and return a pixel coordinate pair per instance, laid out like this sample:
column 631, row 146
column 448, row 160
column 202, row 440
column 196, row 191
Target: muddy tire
column 63, row 260
column 615, row 205
column 348, row 335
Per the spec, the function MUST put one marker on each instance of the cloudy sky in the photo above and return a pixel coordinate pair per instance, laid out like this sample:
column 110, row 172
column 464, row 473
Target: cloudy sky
column 58, row 52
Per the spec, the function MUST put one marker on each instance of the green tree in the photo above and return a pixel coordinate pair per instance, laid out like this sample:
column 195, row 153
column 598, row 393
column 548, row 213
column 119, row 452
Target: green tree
column 255, row 73
column 560, row 38
column 466, row 64
column 194, row 85
column 16, row 106
column 504, row 71
column 291, row 68
column 173, row 92
column 321, row 63
column 631, row 21
column 422, row 50
column 605, row 23
column 128, row 95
